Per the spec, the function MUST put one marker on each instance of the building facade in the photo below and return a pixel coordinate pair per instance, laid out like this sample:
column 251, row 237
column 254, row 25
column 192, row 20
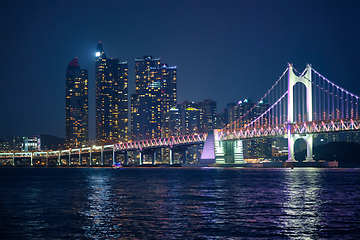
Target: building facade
column 255, row 148
column 209, row 114
column 111, row 99
column 76, row 114
column 155, row 94
column 31, row 143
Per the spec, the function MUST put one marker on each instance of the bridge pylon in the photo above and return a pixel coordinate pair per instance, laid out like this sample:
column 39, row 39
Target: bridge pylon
column 292, row 80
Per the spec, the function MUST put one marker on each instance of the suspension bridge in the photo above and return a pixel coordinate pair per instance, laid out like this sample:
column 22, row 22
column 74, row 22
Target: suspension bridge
column 301, row 104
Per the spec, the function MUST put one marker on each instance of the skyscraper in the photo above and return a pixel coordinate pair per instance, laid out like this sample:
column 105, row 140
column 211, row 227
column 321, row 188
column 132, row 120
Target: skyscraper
column 167, row 78
column 197, row 117
column 145, row 72
column 255, row 147
column 155, row 95
column 208, row 110
column 191, row 118
column 76, row 105
column 111, row 99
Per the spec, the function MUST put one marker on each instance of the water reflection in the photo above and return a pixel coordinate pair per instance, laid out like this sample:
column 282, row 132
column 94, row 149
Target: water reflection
column 302, row 202
column 138, row 203
column 100, row 208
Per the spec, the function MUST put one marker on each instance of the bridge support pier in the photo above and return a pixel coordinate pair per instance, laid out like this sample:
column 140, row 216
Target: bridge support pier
column 171, row 157
column 238, row 152
column 291, row 141
column 113, row 155
column 185, row 155
column 154, row 157
column 219, row 148
column 102, row 156
column 141, row 158
column 90, row 161
column 309, row 147
column 309, row 143
column 126, row 158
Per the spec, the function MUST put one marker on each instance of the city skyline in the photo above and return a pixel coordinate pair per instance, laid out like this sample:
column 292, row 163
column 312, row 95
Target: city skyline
column 223, row 47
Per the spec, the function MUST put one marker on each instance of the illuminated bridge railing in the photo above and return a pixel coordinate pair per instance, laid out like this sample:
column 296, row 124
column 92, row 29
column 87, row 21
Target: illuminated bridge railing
column 136, row 145
column 281, row 130
column 161, row 142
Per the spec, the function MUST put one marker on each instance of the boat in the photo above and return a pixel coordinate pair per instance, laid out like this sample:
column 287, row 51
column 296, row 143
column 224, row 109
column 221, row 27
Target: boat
column 116, row 166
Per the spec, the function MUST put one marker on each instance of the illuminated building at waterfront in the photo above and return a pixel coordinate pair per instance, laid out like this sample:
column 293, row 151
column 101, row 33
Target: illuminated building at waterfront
column 255, row 148
column 76, row 113
column 155, row 94
column 111, row 99
column 31, row 143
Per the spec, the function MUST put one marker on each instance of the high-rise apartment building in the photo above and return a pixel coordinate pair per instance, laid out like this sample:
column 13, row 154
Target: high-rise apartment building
column 191, row 118
column 242, row 110
column 111, row 99
column 76, row 105
column 208, row 110
column 254, row 148
column 31, row 143
column 145, row 72
column 155, row 95
column 197, row 117
column 175, row 122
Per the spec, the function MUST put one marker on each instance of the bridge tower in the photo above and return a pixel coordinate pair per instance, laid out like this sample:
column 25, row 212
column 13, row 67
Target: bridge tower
column 306, row 80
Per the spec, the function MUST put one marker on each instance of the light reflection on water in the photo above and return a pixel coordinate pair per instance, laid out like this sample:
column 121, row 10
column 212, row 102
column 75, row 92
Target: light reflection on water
column 302, row 203
column 99, row 209
column 303, row 198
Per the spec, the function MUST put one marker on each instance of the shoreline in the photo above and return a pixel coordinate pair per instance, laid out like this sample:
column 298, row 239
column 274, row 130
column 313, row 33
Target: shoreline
column 320, row 164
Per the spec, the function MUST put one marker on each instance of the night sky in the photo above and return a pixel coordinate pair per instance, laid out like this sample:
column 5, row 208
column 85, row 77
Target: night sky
column 224, row 50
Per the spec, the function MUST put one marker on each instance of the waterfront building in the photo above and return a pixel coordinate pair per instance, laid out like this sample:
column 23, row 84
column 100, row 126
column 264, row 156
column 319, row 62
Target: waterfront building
column 243, row 109
column 190, row 124
column 145, row 72
column 199, row 117
column 111, row 99
column 256, row 148
column 76, row 114
column 145, row 113
column 11, row 144
column 155, row 95
column 31, row 144
column 208, row 112
column 196, row 117
column 232, row 113
column 190, row 117
column 175, row 122
column 167, row 77
column 221, row 120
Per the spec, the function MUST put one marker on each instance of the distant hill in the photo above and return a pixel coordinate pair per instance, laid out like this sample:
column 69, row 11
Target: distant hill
column 51, row 142
column 343, row 152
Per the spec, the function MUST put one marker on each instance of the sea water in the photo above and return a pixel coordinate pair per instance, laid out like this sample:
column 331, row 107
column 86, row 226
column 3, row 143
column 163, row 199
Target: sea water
column 179, row 203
